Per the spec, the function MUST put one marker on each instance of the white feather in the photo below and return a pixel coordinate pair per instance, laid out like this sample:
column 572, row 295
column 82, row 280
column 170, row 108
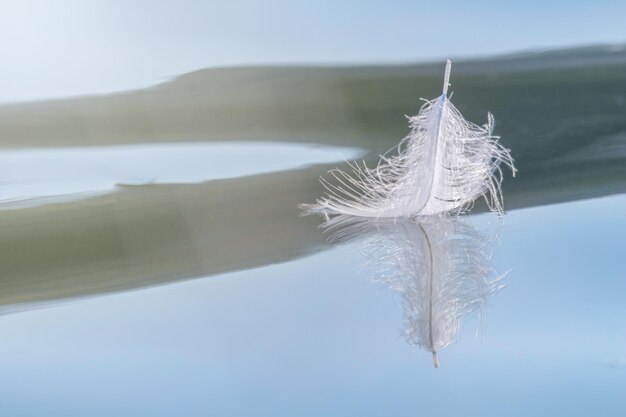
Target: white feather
column 440, row 265
column 443, row 165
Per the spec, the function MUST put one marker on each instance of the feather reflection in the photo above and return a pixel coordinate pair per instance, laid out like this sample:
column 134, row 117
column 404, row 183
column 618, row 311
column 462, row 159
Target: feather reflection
column 440, row 265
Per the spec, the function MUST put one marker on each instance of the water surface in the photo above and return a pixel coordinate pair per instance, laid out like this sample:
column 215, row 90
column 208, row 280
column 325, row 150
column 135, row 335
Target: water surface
column 36, row 176
column 154, row 261
column 319, row 336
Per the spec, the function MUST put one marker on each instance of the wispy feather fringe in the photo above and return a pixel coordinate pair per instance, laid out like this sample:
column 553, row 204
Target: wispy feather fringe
column 441, row 166
column 440, row 265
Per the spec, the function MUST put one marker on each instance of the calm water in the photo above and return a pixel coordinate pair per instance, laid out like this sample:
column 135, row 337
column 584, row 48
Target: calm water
column 154, row 262
column 31, row 177
column 323, row 331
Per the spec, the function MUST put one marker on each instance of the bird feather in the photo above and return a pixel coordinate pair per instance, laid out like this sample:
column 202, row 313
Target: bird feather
column 441, row 166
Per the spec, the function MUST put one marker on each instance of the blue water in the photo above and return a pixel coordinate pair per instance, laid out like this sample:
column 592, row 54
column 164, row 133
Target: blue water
column 320, row 336
column 39, row 176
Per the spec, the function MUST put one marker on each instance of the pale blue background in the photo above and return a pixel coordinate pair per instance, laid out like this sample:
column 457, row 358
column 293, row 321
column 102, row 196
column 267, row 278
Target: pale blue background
column 69, row 47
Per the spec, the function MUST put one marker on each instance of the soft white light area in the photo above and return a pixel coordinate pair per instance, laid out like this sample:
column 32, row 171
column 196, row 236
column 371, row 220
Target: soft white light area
column 71, row 47
column 38, row 176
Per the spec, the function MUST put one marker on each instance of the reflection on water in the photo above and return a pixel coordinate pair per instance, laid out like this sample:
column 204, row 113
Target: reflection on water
column 440, row 265
column 33, row 177
column 282, row 325
column 306, row 335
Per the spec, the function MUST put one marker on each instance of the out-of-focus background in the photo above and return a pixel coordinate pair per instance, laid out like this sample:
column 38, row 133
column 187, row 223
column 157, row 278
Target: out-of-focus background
column 145, row 143
column 53, row 49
